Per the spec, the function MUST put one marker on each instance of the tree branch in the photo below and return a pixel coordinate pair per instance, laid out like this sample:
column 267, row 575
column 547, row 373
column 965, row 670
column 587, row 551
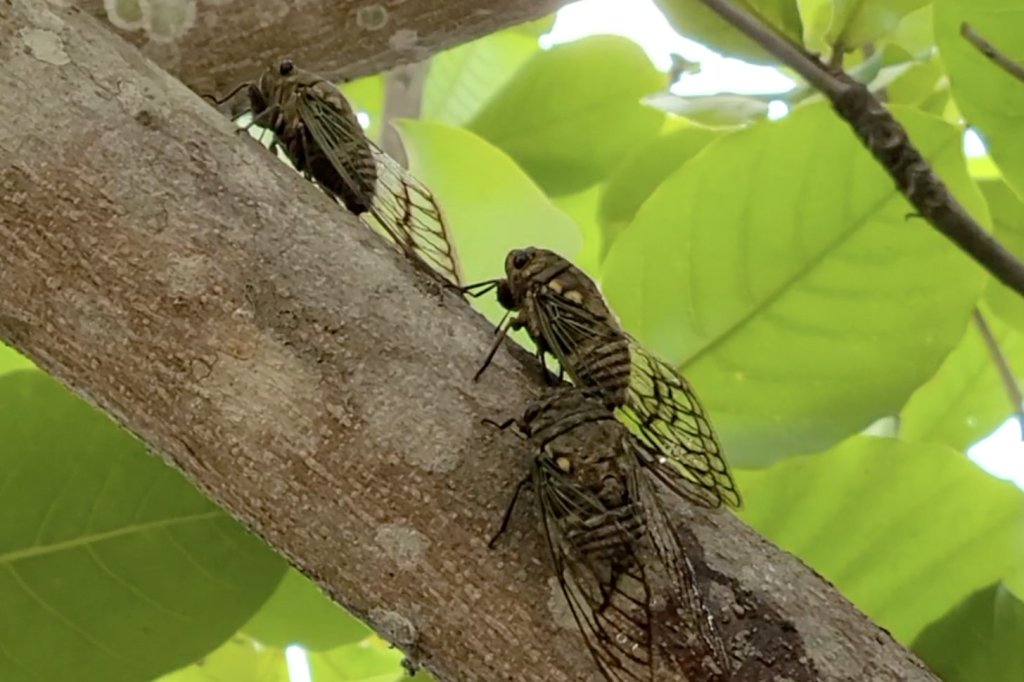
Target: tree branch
column 986, row 48
column 312, row 382
column 1002, row 364
column 225, row 43
column 889, row 143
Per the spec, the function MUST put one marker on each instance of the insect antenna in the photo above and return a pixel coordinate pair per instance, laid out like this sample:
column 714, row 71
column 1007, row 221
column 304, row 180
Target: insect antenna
column 478, row 289
column 229, row 96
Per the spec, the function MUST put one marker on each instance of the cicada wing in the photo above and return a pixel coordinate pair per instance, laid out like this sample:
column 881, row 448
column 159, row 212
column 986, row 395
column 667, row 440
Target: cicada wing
column 411, row 209
column 670, row 419
column 592, row 352
column 611, row 608
column 684, row 632
column 650, row 394
column 400, row 205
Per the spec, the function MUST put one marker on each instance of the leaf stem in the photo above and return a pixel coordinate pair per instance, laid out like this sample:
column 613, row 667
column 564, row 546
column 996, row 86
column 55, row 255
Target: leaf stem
column 988, row 49
column 1003, row 367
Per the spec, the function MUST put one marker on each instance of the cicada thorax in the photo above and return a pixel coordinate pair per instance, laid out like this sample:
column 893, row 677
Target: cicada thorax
column 355, row 183
column 591, row 347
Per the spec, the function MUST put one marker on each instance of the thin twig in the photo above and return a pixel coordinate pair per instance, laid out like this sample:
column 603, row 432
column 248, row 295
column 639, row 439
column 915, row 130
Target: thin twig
column 888, row 142
column 1003, row 367
column 988, row 49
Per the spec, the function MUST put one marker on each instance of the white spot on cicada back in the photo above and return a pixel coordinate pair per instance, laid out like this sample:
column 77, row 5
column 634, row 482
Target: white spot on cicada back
column 372, row 17
column 403, row 545
column 46, row 46
column 393, row 627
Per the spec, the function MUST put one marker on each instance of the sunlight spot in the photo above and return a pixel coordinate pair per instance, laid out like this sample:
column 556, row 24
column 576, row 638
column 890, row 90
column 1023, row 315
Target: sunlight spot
column 364, row 119
column 777, row 109
column 974, row 146
column 298, row 664
column 1001, row 453
column 643, row 23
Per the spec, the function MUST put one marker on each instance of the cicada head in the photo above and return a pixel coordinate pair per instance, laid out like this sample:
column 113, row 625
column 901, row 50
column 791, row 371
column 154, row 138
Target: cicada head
column 270, row 88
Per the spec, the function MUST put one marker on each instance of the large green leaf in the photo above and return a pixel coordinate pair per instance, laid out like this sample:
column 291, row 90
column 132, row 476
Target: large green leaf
column 367, row 96
column 112, row 566
column 299, row 613
column 1008, row 218
column 638, row 176
column 237, row 660
column 693, row 19
column 371, row 660
column 779, row 270
column 990, row 98
column 966, row 399
column 492, row 205
column 462, row 80
column 979, row 640
column 905, row 530
column 856, row 22
column 11, row 360
column 571, row 113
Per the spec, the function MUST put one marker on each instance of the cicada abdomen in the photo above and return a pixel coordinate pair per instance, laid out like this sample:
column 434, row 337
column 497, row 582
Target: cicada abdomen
column 318, row 131
column 631, row 590
column 565, row 314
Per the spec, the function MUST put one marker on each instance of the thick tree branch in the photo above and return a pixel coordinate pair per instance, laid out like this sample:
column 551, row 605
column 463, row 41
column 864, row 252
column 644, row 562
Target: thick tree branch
column 314, row 383
column 889, row 143
column 227, row 42
column 988, row 49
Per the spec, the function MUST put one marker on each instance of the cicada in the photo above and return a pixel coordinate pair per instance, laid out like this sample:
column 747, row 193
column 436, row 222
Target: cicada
column 566, row 316
column 317, row 129
column 631, row 589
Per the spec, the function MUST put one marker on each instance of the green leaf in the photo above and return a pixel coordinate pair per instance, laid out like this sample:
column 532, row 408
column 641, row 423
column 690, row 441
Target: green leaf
column 112, row 566
column 236, row 660
column 857, row 22
column 991, row 99
column 1008, row 217
column 493, row 207
column 11, row 360
column 905, row 530
column 923, row 84
column 633, row 181
column 571, row 113
column 299, row 613
column 372, row 660
column 582, row 208
column 979, row 639
column 966, row 399
column 367, row 96
column 462, row 80
column 778, row 269
column 693, row 19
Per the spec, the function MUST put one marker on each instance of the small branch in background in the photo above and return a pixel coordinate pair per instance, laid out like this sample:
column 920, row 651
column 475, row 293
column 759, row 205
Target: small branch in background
column 403, row 96
column 986, row 48
column 1003, row 367
column 889, row 143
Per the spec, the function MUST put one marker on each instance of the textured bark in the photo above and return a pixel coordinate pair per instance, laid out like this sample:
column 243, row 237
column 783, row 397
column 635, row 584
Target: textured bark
column 223, row 42
column 312, row 382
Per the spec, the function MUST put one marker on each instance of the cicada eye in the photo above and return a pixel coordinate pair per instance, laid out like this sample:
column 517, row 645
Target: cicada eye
column 286, row 66
column 520, row 258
